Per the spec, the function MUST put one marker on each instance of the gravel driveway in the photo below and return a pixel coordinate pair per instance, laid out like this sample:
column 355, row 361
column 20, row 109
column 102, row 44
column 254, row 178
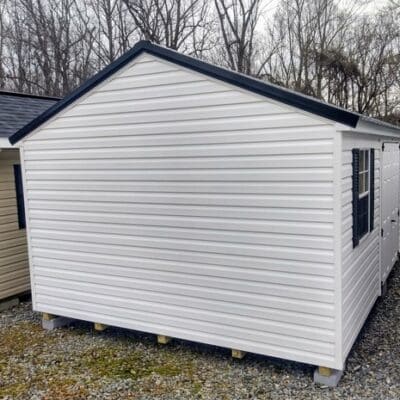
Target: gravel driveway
column 78, row 363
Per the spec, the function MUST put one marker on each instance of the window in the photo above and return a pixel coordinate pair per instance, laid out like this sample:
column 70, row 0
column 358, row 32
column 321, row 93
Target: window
column 20, row 196
column 363, row 193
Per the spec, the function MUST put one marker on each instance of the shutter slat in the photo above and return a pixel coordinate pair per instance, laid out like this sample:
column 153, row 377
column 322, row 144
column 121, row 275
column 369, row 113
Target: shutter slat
column 355, row 164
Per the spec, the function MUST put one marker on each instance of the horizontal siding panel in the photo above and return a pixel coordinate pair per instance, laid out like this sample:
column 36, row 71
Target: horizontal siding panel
column 233, row 111
column 138, row 275
column 301, row 188
column 205, row 262
column 11, row 209
column 267, row 328
column 167, row 283
column 18, row 266
column 17, row 238
column 211, row 234
column 166, row 78
column 205, row 175
column 186, row 151
column 206, row 125
column 121, row 266
column 367, row 301
column 182, row 138
column 313, row 215
column 50, row 218
column 184, row 163
column 321, row 202
column 20, row 285
column 195, row 87
column 15, row 249
column 218, row 294
column 146, row 68
column 168, row 103
column 138, row 294
column 129, row 242
column 6, row 219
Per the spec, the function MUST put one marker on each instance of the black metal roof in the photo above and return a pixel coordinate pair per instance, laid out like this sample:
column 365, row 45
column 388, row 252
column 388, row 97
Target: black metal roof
column 18, row 109
column 269, row 90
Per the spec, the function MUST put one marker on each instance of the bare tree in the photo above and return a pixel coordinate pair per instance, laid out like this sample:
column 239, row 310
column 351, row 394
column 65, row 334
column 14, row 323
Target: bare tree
column 173, row 23
column 238, row 21
column 113, row 29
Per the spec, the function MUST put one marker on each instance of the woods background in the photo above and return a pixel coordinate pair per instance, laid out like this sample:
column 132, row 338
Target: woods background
column 343, row 51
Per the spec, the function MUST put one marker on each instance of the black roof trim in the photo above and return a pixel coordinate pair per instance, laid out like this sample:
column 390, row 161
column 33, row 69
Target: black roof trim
column 274, row 92
column 32, row 96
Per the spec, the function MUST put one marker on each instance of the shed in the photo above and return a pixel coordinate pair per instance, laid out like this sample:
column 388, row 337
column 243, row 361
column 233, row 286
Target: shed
column 16, row 110
column 170, row 196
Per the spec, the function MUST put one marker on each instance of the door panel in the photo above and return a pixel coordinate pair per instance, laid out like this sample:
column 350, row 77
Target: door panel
column 390, row 207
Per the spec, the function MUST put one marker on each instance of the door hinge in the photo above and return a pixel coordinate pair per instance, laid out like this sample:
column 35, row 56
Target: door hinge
column 398, row 213
column 382, row 232
column 383, row 146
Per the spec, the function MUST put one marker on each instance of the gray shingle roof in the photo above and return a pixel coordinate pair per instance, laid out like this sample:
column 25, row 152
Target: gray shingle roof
column 17, row 109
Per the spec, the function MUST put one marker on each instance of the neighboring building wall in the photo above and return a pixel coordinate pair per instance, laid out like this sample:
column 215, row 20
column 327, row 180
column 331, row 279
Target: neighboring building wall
column 170, row 203
column 14, row 266
column 360, row 266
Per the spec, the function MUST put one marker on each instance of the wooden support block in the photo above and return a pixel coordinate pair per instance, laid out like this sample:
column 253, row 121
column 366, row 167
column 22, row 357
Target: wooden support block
column 48, row 317
column 161, row 339
column 324, row 371
column 238, row 354
column 100, row 327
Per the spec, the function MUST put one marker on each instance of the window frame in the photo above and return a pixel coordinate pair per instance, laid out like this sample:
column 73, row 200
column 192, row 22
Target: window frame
column 363, row 193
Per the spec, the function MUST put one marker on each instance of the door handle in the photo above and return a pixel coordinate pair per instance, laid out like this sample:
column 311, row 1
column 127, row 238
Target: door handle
column 393, row 220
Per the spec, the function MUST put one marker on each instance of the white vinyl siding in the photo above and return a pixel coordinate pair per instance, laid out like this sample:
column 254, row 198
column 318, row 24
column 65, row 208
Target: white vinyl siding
column 360, row 265
column 14, row 271
column 168, row 202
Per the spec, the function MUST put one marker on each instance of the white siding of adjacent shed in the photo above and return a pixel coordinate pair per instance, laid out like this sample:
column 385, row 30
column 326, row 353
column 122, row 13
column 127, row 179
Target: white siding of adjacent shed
column 14, row 266
column 168, row 202
column 360, row 266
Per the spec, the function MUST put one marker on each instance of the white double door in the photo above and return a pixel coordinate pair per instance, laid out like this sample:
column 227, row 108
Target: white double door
column 389, row 207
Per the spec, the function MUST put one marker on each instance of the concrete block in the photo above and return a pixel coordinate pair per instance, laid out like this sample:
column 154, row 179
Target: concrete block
column 9, row 303
column 57, row 322
column 327, row 377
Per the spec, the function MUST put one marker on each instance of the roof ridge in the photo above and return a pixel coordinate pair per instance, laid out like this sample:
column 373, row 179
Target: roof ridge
column 33, row 96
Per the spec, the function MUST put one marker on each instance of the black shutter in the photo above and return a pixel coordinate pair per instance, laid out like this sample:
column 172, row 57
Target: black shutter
column 20, row 196
column 356, row 166
column 372, row 190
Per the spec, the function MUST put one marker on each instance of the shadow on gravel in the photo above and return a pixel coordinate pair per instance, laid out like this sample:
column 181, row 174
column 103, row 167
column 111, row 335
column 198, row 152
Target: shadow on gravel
column 78, row 363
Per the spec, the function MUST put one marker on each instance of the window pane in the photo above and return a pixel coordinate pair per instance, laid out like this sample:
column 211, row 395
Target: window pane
column 363, row 219
column 361, row 162
column 362, row 186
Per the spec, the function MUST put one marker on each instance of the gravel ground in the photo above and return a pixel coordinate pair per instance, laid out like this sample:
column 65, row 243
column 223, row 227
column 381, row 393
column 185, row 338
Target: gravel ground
column 78, row 363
